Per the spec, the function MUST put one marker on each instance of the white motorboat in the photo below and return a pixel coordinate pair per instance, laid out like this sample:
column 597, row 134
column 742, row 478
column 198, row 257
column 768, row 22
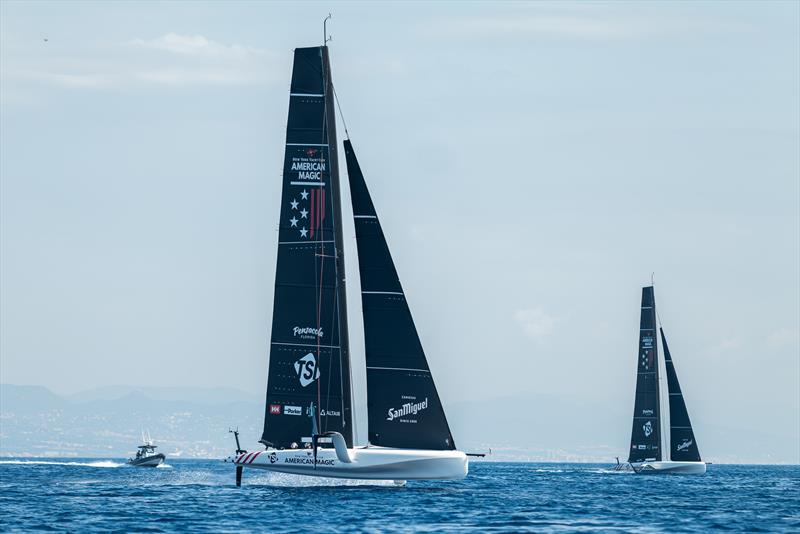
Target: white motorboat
column 146, row 455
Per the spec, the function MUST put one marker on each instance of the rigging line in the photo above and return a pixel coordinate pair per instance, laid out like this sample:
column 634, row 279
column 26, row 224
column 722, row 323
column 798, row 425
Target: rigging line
column 338, row 105
column 321, row 246
column 319, row 313
column 325, row 126
column 341, row 365
column 338, row 298
column 337, row 303
column 330, row 373
column 662, row 420
column 334, row 190
column 320, row 199
column 318, row 209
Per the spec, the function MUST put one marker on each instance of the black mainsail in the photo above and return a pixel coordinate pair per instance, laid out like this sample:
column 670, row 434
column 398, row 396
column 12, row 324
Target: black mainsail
column 309, row 352
column 646, row 433
column 683, row 445
column 404, row 410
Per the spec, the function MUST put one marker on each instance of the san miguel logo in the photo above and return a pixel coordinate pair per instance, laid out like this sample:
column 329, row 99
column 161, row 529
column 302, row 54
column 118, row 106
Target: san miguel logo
column 409, row 408
column 306, row 369
column 308, row 332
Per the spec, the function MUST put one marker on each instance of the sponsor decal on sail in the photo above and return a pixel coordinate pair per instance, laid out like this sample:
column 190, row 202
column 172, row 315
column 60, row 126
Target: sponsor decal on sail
column 685, row 445
column 330, row 413
column 306, row 369
column 648, row 429
column 292, row 410
column 647, row 411
column 307, row 205
column 408, row 408
column 308, row 332
column 275, row 409
column 647, row 359
column 309, row 168
column 647, row 342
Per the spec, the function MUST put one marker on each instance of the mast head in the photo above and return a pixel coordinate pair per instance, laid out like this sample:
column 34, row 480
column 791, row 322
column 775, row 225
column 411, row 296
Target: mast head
column 325, row 36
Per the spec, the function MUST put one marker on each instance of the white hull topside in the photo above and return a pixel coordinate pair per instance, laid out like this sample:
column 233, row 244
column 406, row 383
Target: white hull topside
column 369, row 463
column 678, row 468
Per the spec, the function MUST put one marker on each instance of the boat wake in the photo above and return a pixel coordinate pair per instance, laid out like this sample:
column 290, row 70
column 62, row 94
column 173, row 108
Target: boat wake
column 611, row 471
column 100, row 463
column 285, row 480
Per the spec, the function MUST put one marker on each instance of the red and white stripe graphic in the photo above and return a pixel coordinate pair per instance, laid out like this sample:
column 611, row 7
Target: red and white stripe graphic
column 317, row 212
column 247, row 457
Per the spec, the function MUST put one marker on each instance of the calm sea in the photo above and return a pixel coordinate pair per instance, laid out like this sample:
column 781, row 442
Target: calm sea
column 200, row 496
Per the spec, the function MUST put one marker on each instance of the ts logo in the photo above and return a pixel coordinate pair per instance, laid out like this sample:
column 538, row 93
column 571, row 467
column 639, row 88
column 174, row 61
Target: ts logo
column 306, row 369
column 648, row 428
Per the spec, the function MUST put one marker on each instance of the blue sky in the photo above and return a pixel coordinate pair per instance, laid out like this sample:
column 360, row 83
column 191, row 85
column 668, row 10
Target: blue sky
column 532, row 164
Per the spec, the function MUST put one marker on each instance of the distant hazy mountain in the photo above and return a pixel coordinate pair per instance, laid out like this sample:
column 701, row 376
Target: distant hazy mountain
column 189, row 422
column 183, row 394
column 194, row 422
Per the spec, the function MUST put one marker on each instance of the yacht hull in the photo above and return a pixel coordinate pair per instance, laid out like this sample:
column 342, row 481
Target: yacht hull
column 677, row 468
column 369, row 463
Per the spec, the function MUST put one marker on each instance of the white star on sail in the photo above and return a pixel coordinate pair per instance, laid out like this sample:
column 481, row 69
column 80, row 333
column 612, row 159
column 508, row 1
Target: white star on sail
column 304, row 194
column 303, row 232
column 304, row 213
column 294, row 204
column 293, row 221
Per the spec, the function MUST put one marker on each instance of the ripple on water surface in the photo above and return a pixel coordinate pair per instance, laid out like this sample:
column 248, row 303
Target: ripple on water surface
column 200, row 496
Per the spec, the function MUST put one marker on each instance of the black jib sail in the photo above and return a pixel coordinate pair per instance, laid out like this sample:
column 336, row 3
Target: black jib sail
column 404, row 409
column 309, row 358
column 646, row 433
column 683, row 445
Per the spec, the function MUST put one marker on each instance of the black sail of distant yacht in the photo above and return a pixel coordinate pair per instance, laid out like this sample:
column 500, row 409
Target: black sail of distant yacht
column 646, row 433
column 309, row 354
column 404, row 410
column 683, row 445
